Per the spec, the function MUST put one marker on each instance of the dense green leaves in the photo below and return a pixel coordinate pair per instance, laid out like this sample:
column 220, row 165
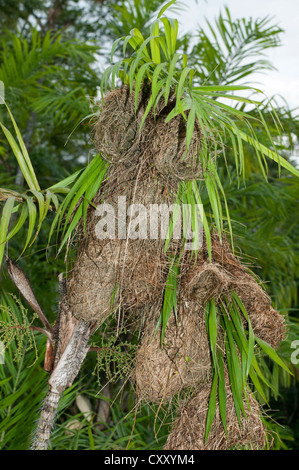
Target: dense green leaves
column 170, row 298
column 32, row 67
column 22, row 378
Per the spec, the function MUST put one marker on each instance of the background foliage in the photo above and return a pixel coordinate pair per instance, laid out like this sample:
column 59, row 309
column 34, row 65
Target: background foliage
column 52, row 55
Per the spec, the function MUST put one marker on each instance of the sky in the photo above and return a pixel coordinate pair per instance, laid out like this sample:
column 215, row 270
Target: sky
column 285, row 80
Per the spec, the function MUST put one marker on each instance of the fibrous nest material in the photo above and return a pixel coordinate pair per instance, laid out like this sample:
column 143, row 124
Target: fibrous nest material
column 189, row 428
column 126, row 272
column 112, row 273
column 146, row 166
column 183, row 361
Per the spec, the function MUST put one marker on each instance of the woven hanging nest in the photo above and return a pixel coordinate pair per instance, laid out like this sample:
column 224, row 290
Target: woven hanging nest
column 119, row 137
column 189, row 429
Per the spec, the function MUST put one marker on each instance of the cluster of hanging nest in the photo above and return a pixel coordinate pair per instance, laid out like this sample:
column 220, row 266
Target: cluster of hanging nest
column 129, row 275
column 185, row 352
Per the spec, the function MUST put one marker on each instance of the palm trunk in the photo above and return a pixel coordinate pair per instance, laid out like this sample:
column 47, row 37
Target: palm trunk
column 61, row 378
